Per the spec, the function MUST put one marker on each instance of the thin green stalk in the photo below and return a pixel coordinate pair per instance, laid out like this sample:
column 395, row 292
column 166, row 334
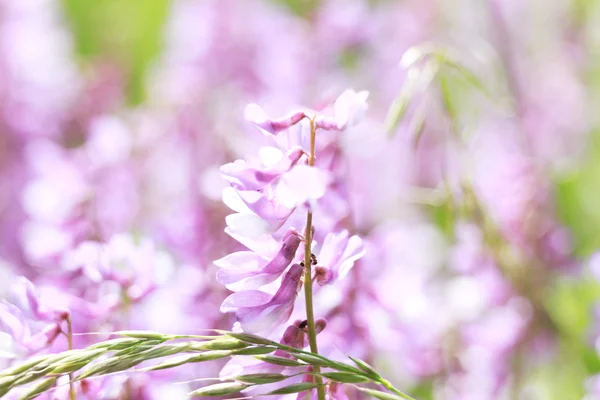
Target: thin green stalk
column 391, row 388
column 310, row 317
column 70, row 346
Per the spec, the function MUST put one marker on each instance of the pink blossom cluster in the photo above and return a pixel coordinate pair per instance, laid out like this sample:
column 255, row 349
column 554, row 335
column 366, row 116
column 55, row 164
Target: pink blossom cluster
column 447, row 253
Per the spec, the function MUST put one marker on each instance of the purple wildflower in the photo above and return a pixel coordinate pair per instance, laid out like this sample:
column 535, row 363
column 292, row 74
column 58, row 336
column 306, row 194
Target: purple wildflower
column 247, row 269
column 337, row 256
column 257, row 310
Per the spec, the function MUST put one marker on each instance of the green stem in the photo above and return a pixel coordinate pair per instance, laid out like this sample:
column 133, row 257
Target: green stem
column 391, row 388
column 310, row 317
column 70, row 346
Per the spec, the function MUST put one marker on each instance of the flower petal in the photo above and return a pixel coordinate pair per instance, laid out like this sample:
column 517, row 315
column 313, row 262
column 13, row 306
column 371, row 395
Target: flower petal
column 257, row 116
column 301, row 184
column 246, row 299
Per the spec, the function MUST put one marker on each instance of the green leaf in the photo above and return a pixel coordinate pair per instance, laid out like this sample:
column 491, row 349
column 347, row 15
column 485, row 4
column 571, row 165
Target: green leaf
column 417, row 80
column 261, row 379
column 224, row 343
column 365, row 367
column 41, row 387
column 286, row 362
column 219, row 389
column 69, row 367
column 345, row 377
column 186, row 359
column 116, row 344
column 144, row 335
column 397, row 110
column 251, row 351
column 6, row 384
column 468, row 76
column 24, row 366
column 211, row 355
column 139, row 348
column 295, row 388
column 33, row 376
column 250, row 338
column 166, row 350
column 111, row 365
column 170, row 363
column 313, row 359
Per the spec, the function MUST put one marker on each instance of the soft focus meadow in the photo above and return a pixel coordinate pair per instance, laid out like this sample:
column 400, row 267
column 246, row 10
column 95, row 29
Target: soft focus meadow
column 157, row 170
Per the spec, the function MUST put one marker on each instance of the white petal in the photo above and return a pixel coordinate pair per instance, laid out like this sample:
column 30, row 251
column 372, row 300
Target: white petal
column 250, row 225
column 232, row 200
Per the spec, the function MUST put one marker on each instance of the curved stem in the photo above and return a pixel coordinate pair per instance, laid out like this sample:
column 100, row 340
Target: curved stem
column 310, row 317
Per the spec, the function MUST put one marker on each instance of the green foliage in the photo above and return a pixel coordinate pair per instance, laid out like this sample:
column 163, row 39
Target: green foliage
column 576, row 199
column 431, row 67
column 118, row 355
column 302, row 8
column 127, row 32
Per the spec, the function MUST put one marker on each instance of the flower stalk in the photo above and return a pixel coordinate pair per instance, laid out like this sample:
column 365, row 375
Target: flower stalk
column 70, row 347
column 310, row 317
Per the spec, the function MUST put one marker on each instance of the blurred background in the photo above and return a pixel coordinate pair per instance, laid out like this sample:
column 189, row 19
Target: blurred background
column 479, row 199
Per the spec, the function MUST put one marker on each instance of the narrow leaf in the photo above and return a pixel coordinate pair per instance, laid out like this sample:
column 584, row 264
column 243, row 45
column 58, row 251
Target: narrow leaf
column 250, row 338
column 469, row 76
column 144, row 335
column 287, row 362
column 111, row 365
column 295, row 388
column 397, row 110
column 32, row 376
column 39, row 388
column 70, row 367
column 166, row 350
column 22, row 367
column 313, row 359
column 170, row 363
column 261, row 379
column 210, row 355
column 138, row 348
column 224, row 343
column 251, row 351
column 365, row 367
column 6, row 383
column 219, row 389
column 84, row 355
column 345, row 377
column 116, row 344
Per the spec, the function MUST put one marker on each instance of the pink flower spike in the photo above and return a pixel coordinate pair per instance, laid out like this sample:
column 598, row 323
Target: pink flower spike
column 243, row 270
column 258, row 311
column 257, row 116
